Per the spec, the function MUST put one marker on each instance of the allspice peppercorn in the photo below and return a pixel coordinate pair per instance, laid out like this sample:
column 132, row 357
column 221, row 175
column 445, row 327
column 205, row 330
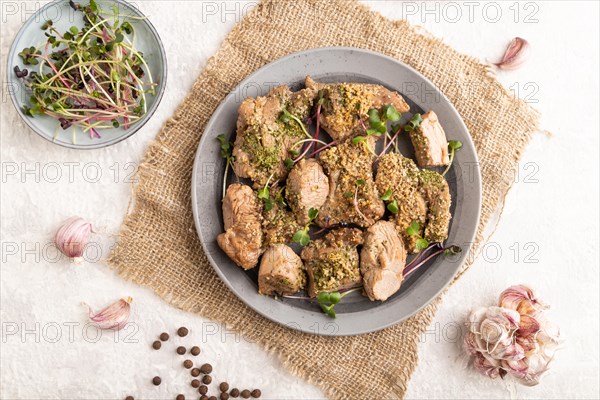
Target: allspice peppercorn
column 207, row 379
column 223, row 387
column 206, row 368
column 245, row 394
column 195, row 372
column 164, row 336
column 256, row 393
column 180, row 350
column 129, row 398
column 188, row 364
column 180, row 397
column 183, row 331
column 203, row 389
column 195, row 383
column 195, row 350
column 156, row 345
column 235, row 392
column 224, row 396
column 156, row 380
column 204, row 397
column 212, row 398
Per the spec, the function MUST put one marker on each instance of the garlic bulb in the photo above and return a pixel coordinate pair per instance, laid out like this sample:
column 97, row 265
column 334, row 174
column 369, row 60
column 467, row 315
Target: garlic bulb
column 514, row 338
column 516, row 54
column 72, row 237
column 115, row 316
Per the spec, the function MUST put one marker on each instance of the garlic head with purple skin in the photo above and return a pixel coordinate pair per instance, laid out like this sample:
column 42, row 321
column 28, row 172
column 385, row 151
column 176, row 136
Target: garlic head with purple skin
column 72, row 237
column 514, row 338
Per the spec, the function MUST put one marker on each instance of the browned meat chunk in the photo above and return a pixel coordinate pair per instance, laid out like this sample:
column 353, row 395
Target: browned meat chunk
column 352, row 195
column 400, row 175
column 429, row 141
column 307, row 187
column 281, row 271
column 437, row 194
column 332, row 261
column 279, row 224
column 346, row 104
column 382, row 261
column 242, row 240
column 263, row 138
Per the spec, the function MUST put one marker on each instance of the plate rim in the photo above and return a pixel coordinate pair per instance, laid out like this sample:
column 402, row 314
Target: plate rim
column 131, row 132
column 194, row 196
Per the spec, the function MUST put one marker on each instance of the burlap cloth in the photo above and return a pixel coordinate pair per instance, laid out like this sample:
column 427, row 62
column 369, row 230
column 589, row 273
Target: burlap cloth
column 158, row 246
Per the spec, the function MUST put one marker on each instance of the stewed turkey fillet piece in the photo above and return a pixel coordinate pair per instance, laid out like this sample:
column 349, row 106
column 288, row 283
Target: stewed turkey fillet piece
column 281, row 271
column 400, row 175
column 430, row 143
column 242, row 239
column 263, row 138
column 437, row 195
column 278, row 223
column 307, row 187
column 349, row 167
column 331, row 262
column 346, row 104
column 382, row 261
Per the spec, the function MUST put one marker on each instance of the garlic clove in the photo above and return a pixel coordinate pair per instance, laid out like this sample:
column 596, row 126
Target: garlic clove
column 522, row 299
column 72, row 237
column 528, row 326
column 114, row 317
column 516, row 54
column 487, row 366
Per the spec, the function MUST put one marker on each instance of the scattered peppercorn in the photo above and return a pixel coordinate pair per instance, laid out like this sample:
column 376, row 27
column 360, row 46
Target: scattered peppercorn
column 224, row 396
column 207, row 379
column 224, row 386
column 195, row 383
column 156, row 380
column 180, row 397
column 203, row 389
column 183, row 331
column 164, row 336
column 245, row 393
column 156, row 345
column 256, row 393
column 195, row 350
column 181, row 350
column 129, row 398
column 235, row 392
column 212, row 398
column 204, row 397
column 195, row 372
column 206, row 368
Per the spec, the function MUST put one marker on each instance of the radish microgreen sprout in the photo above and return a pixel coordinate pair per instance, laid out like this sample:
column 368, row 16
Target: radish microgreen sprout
column 265, row 195
column 286, row 116
column 328, row 300
column 454, row 146
column 301, row 236
column 414, row 123
column 226, row 154
column 414, row 230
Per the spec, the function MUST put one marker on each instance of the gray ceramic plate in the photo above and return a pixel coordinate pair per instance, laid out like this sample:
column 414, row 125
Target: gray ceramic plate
column 356, row 314
column 62, row 15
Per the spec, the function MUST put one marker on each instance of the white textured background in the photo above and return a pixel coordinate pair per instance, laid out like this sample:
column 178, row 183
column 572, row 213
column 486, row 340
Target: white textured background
column 552, row 211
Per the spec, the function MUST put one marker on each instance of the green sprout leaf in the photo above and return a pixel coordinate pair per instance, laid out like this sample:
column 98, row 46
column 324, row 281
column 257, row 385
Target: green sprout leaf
column 391, row 113
column 422, row 244
column 387, row 195
column 413, row 229
column 294, row 153
column 263, row 193
column 358, row 139
column 374, row 116
column 393, row 207
column 335, row 297
column 455, row 145
column 268, row 204
column 360, row 182
column 348, row 194
column 312, row 213
column 414, row 122
column 289, row 163
column 301, row 237
column 323, row 297
column 74, row 30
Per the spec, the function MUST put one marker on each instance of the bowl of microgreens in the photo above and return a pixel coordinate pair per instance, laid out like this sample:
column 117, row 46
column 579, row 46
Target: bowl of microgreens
column 87, row 74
